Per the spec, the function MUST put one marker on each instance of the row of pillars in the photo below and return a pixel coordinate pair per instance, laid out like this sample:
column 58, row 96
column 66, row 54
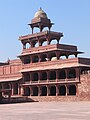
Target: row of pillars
column 48, row 90
column 44, row 57
column 39, row 42
column 31, row 75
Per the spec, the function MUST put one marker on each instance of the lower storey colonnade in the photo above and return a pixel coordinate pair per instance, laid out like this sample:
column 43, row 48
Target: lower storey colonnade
column 42, row 90
column 60, row 90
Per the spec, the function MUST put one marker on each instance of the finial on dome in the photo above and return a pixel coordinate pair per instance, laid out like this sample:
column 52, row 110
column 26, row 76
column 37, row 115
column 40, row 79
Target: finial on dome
column 40, row 8
column 40, row 14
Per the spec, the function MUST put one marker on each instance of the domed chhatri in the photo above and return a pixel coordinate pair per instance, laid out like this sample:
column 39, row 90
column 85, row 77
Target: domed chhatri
column 40, row 21
column 40, row 14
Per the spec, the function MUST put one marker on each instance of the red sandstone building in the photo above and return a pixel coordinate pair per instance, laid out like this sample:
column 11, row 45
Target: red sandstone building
column 45, row 70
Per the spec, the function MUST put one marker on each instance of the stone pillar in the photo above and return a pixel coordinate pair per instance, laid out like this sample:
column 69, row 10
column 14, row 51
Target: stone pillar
column 57, row 41
column 48, row 57
column 22, row 90
column 48, row 90
column 32, row 30
column 39, row 58
column 57, row 55
column 31, row 59
column 39, row 42
column 48, row 76
column 66, row 72
column 12, row 89
column 67, row 90
column 76, row 55
column 39, row 91
column 77, row 90
column 57, row 90
column 18, row 89
column 77, row 73
column 31, row 91
column 56, row 75
column 39, row 76
column 31, row 77
column 31, row 44
column 9, row 96
column 48, row 40
column 24, row 46
column 67, row 56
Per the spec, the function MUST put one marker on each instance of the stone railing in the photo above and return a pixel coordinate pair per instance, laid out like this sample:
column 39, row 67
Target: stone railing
column 53, row 81
column 57, row 64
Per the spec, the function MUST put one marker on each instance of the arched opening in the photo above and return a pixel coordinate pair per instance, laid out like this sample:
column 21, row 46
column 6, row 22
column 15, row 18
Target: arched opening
column 72, row 73
column 44, row 91
column 62, row 90
column 15, row 88
column 28, row 45
column 52, row 90
column 53, row 42
column 52, row 75
column 35, row 91
column 72, row 56
column 43, row 58
column 62, row 74
column 35, row 77
column 26, row 77
column 6, row 86
column 53, row 57
column 26, row 91
column 35, row 59
column 62, row 57
column 36, row 30
column 44, row 43
column 44, row 76
column 37, row 44
column 85, row 70
column 45, row 29
column 72, row 89
column 26, row 59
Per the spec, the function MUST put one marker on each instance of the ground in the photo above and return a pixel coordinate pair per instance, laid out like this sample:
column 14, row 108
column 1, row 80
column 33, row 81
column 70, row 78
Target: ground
column 46, row 111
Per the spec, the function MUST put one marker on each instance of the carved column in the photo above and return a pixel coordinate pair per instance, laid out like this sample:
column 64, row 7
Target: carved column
column 48, row 76
column 39, row 58
column 67, row 90
column 77, row 73
column 18, row 89
column 66, row 72
column 48, row 40
column 48, row 90
column 24, row 46
column 48, row 57
column 12, row 89
column 57, row 55
column 22, row 90
column 39, row 91
column 56, row 75
column 57, row 90
column 66, row 56
column 31, row 91
column 39, row 76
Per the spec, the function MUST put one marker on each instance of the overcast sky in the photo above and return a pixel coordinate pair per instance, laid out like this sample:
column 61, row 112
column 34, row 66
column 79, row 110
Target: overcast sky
column 72, row 17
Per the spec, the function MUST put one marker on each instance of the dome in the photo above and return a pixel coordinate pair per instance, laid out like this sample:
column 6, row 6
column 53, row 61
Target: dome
column 40, row 14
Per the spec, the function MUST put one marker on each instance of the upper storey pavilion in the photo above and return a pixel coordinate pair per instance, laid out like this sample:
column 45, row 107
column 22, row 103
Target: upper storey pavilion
column 41, row 42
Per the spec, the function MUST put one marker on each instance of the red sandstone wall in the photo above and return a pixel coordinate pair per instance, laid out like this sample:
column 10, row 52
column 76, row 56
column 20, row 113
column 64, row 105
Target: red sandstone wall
column 84, row 87
column 13, row 67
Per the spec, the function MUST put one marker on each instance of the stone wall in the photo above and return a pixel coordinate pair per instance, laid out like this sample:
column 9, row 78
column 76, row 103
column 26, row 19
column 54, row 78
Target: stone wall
column 84, row 87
